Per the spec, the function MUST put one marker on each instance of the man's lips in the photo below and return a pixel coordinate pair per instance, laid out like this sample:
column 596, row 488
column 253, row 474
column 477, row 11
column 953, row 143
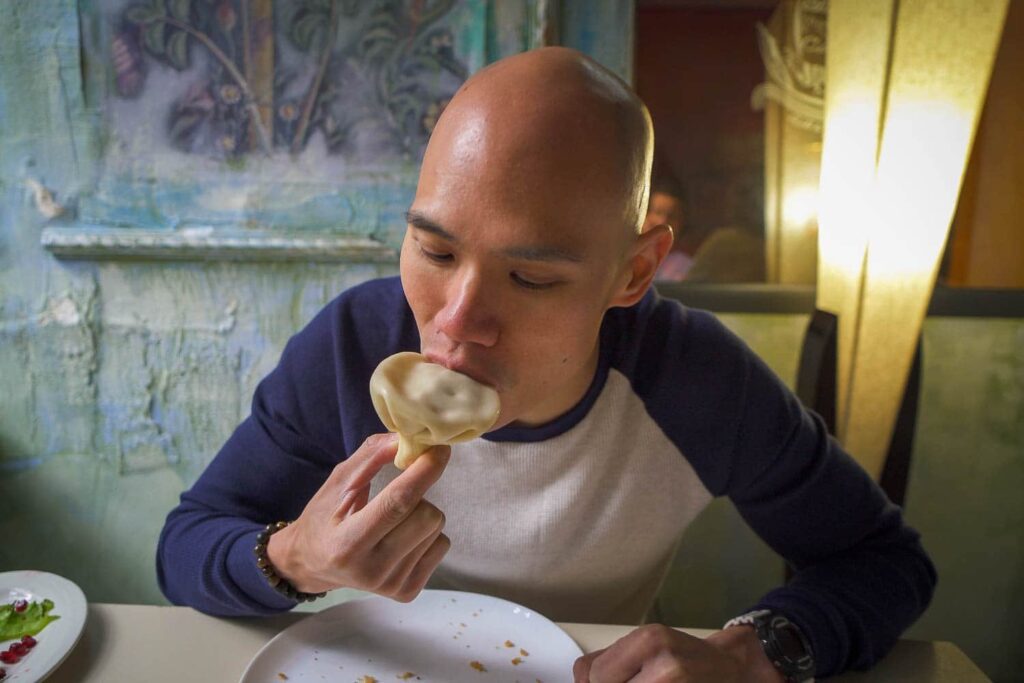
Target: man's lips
column 460, row 366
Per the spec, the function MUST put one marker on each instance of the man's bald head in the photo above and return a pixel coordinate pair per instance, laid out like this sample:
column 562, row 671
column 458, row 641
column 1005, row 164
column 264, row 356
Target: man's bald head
column 546, row 119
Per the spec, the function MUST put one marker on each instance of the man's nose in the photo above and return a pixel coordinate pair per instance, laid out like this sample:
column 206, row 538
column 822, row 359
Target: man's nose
column 470, row 313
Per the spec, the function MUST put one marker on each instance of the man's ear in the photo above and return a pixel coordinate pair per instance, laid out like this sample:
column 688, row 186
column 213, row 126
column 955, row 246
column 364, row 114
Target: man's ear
column 649, row 250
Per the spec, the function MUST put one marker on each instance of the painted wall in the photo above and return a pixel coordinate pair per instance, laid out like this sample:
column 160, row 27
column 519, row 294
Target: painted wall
column 964, row 493
column 119, row 380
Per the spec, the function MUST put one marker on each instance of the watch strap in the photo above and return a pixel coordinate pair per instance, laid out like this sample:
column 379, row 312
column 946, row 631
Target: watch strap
column 747, row 619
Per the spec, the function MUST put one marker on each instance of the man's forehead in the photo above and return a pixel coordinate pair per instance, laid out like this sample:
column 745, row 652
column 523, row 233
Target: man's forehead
column 545, row 192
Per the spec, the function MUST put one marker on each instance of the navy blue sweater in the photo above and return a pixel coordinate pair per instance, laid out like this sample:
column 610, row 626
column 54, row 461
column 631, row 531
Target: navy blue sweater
column 722, row 417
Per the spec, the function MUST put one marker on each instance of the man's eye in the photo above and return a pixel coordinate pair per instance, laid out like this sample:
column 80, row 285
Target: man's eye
column 531, row 284
column 437, row 257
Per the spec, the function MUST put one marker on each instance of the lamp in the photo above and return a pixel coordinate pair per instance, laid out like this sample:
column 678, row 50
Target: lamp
column 906, row 83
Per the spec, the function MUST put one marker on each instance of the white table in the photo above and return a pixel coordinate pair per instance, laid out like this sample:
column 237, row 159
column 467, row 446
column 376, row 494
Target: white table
column 175, row 644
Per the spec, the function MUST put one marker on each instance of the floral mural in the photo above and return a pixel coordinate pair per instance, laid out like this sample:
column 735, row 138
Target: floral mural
column 232, row 79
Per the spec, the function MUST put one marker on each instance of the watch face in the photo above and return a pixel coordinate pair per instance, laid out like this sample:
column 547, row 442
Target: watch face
column 790, row 643
column 790, row 651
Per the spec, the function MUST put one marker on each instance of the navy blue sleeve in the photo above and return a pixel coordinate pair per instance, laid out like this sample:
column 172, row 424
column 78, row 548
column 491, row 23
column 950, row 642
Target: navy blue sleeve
column 310, row 413
column 861, row 576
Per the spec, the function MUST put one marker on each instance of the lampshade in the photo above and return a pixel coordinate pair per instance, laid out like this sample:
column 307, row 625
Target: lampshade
column 906, row 80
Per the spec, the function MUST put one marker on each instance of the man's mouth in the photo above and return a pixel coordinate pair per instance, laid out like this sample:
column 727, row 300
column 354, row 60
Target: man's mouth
column 462, row 367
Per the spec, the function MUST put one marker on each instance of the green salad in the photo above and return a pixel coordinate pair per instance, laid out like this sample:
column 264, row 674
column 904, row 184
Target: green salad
column 29, row 622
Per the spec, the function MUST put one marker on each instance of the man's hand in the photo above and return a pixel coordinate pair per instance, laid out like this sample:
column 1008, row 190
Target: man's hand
column 389, row 545
column 659, row 654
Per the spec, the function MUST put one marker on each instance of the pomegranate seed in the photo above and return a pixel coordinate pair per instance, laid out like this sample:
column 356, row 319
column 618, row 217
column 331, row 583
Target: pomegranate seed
column 20, row 605
column 29, row 641
column 8, row 657
column 3, row 674
column 19, row 649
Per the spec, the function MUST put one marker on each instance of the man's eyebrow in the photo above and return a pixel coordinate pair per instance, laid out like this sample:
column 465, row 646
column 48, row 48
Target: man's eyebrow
column 525, row 253
column 547, row 254
column 418, row 220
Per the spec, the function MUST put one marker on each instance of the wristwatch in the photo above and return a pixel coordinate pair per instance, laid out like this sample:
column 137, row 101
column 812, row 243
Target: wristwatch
column 783, row 642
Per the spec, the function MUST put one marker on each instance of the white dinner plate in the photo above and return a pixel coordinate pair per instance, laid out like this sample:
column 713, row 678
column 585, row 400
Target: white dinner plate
column 59, row 637
column 441, row 636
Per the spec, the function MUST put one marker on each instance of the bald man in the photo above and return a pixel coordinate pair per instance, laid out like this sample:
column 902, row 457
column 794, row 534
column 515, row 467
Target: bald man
column 524, row 267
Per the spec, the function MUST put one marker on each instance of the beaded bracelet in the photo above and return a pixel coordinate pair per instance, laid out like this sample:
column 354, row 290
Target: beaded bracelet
column 278, row 582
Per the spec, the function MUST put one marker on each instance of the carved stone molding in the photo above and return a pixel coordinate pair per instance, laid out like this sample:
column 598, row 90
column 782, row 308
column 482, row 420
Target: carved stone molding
column 794, row 60
column 205, row 244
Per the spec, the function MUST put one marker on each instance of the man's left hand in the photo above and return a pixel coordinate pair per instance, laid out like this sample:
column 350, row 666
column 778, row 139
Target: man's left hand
column 659, row 654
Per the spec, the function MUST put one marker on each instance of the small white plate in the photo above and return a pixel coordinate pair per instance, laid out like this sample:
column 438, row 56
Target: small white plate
column 441, row 636
column 59, row 637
